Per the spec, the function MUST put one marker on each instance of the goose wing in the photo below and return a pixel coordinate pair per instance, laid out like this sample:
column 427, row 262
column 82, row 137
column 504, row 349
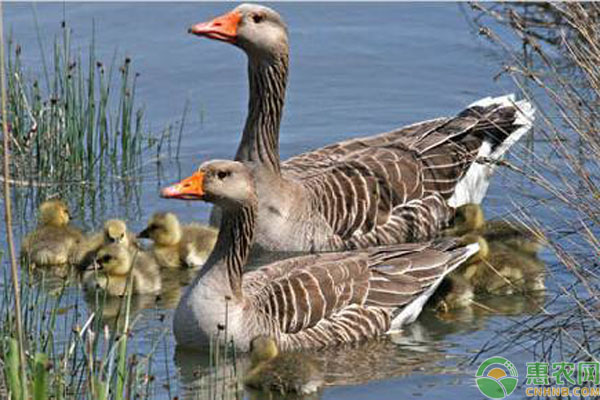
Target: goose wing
column 392, row 187
column 296, row 294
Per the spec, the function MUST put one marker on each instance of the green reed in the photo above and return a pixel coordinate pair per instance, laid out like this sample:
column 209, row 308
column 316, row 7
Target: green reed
column 83, row 121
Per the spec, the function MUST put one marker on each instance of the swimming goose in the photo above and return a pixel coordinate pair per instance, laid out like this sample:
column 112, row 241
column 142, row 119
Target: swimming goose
column 113, row 231
column 395, row 187
column 283, row 373
column 309, row 301
column 178, row 246
column 114, row 262
column 54, row 241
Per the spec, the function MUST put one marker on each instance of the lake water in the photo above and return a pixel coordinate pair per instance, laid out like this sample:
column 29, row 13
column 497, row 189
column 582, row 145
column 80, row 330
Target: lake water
column 356, row 69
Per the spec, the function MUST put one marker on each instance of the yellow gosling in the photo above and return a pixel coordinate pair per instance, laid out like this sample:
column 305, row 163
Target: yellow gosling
column 177, row 246
column 113, row 231
column 499, row 269
column 282, row 373
column 470, row 218
column 114, row 263
column 54, row 241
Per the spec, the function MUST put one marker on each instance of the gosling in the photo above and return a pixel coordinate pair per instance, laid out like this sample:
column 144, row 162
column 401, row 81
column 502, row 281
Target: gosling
column 282, row 373
column 110, row 271
column 177, row 246
column 470, row 218
column 500, row 269
column 113, row 231
column 54, row 241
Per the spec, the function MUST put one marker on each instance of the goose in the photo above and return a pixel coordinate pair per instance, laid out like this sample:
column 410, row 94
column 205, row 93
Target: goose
column 283, row 373
column 54, row 240
column 113, row 231
column 178, row 246
column 314, row 300
column 114, row 262
column 470, row 219
column 395, row 187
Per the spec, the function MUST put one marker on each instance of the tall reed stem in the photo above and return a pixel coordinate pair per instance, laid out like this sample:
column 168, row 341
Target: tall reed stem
column 8, row 215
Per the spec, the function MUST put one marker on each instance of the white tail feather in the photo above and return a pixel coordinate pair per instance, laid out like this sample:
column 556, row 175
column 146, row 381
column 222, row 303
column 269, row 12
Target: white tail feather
column 473, row 186
column 412, row 311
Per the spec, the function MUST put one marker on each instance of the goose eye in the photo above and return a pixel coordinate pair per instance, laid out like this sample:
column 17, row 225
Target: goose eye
column 258, row 18
column 223, row 174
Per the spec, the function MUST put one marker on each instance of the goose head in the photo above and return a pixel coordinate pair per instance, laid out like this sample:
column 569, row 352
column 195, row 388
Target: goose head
column 258, row 30
column 228, row 184
column 113, row 259
column 263, row 349
column 54, row 213
column 115, row 231
column 163, row 228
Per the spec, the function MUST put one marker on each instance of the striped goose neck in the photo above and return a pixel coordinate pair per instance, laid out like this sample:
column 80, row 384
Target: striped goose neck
column 260, row 140
column 234, row 241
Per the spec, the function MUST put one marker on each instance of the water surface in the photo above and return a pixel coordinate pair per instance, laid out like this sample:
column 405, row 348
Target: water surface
column 356, row 69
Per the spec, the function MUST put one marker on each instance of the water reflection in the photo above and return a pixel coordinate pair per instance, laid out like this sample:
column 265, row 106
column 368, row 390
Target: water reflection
column 420, row 348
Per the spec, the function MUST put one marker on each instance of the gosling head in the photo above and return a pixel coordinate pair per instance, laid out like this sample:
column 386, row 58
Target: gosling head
column 115, row 231
column 114, row 259
column 54, row 213
column 262, row 349
column 163, row 228
column 228, row 184
column 469, row 217
column 258, row 30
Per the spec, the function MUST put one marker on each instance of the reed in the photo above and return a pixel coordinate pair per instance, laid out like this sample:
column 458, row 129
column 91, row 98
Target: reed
column 552, row 56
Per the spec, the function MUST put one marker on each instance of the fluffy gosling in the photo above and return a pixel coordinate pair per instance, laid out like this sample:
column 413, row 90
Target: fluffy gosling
column 54, row 241
column 114, row 263
column 177, row 246
column 282, row 373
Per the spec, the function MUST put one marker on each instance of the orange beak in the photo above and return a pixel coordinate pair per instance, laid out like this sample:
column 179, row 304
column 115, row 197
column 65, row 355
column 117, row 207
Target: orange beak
column 188, row 189
column 222, row 28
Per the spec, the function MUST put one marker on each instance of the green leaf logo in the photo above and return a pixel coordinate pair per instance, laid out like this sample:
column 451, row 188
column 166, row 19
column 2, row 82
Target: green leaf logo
column 497, row 378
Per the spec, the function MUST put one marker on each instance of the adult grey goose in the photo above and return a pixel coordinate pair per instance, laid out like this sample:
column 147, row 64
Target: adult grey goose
column 308, row 301
column 399, row 186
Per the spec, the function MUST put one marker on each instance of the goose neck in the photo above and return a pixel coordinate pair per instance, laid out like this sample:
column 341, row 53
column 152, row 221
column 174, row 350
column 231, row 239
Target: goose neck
column 231, row 251
column 260, row 140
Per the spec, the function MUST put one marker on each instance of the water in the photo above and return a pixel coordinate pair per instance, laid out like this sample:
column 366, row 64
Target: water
column 356, row 69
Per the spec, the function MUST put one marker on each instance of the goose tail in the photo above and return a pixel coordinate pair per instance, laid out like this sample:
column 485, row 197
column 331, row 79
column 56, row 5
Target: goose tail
column 410, row 313
column 497, row 139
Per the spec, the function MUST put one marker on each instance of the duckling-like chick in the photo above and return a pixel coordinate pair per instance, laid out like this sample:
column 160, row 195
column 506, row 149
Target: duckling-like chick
column 112, row 267
column 499, row 269
column 454, row 292
column 178, row 246
column 54, row 240
column 283, row 373
column 113, row 231
column 469, row 218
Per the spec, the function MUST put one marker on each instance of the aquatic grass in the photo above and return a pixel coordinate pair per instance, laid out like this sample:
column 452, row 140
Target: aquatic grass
column 552, row 56
column 78, row 129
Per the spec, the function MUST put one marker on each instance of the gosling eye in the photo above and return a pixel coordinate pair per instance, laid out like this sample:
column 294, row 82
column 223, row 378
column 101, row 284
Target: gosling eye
column 258, row 18
column 105, row 259
column 223, row 174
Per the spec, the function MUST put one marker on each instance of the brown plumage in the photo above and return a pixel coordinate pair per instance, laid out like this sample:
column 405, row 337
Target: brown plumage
column 310, row 301
column 391, row 188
